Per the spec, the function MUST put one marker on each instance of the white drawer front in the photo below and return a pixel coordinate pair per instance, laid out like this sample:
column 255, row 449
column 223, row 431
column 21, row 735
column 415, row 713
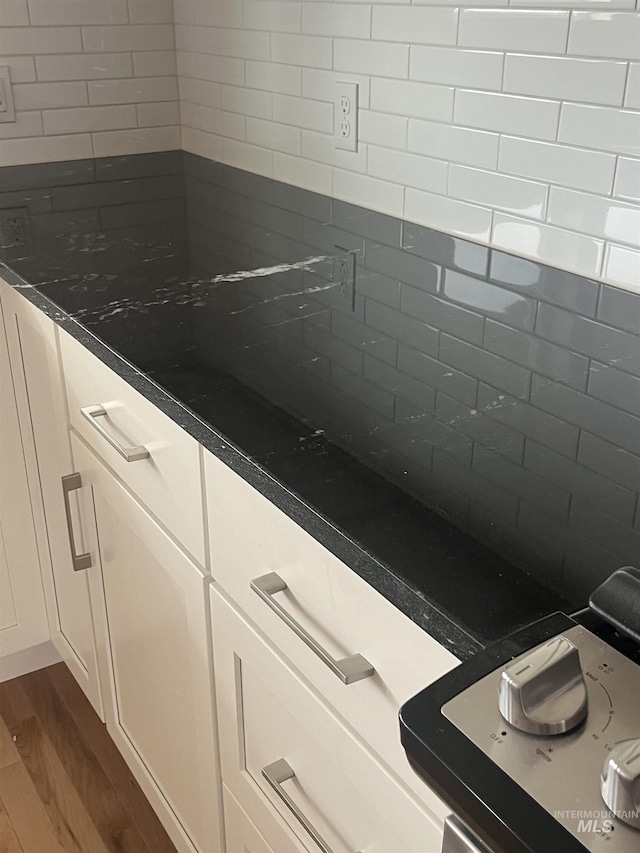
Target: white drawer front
column 168, row 481
column 249, row 538
column 242, row 836
column 337, row 796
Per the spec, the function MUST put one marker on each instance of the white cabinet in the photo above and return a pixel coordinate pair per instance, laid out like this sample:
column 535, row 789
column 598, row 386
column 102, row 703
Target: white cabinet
column 23, row 616
column 242, row 836
column 283, row 750
column 250, row 538
column 168, row 480
column 72, row 595
column 160, row 713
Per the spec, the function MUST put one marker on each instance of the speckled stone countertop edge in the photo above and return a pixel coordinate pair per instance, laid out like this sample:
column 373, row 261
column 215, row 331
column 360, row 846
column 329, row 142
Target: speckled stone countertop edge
column 443, row 628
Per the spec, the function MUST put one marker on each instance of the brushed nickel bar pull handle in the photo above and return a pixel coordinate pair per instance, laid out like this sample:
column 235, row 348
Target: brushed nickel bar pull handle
column 130, row 454
column 349, row 669
column 277, row 773
column 70, row 483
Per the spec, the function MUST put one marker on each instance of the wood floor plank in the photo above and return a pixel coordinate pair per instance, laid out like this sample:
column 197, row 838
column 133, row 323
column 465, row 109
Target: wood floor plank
column 8, row 752
column 26, row 812
column 14, row 702
column 114, row 765
column 115, row 827
column 66, row 811
column 9, row 842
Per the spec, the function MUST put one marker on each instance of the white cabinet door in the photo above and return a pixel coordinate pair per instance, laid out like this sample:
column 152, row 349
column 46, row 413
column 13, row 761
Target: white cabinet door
column 161, row 711
column 71, row 595
column 284, row 753
column 241, row 833
column 23, row 616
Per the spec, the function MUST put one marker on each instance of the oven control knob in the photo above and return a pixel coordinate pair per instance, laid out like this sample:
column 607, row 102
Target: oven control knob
column 620, row 781
column 543, row 692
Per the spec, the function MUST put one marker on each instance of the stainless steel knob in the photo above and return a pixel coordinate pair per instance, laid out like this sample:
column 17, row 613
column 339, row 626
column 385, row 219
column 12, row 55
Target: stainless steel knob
column 543, row 691
column 620, row 781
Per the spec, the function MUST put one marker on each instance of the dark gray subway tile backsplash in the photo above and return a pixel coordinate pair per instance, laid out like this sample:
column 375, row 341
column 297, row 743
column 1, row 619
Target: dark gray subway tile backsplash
column 502, row 393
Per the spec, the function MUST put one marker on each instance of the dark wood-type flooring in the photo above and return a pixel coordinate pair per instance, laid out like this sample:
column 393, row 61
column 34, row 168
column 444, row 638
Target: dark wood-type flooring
column 64, row 788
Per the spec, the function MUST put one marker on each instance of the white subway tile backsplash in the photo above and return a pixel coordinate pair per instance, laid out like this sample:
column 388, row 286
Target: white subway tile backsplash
column 539, row 31
column 632, row 96
column 21, row 68
column 448, row 214
column 557, row 164
column 578, row 4
column 220, row 123
column 329, row 19
column 368, row 192
column 26, row 124
column 601, row 127
column 249, row 157
column 200, row 142
column 532, row 117
column 411, row 170
column 593, row 81
column 384, row 129
column 139, row 140
column 429, row 25
column 389, row 60
column 627, row 183
column 219, row 69
column 14, row 13
column 88, row 119
column 307, row 51
column 622, row 266
column 136, row 91
column 458, row 144
column 154, row 63
column 608, row 34
column 158, row 114
column 549, row 244
column 150, row 11
column 498, row 191
column 303, row 113
column 302, row 173
column 249, row 102
column 196, row 39
column 420, row 100
column 199, row 91
column 36, row 40
column 319, row 148
column 42, row 149
column 278, row 137
column 504, row 121
column 132, row 37
column 81, row 66
column 321, row 85
column 272, row 77
column 40, row 96
column 616, row 220
column 205, row 13
column 57, row 12
column 451, row 66
column 276, row 17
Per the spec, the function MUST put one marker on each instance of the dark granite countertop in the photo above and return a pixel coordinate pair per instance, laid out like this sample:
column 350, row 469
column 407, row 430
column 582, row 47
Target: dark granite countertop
column 437, row 414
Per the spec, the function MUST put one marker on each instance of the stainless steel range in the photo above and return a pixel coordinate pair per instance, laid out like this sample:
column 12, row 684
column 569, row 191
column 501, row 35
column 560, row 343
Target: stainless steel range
column 536, row 741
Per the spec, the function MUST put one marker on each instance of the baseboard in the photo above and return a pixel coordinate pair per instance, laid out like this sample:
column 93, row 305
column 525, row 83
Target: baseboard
column 28, row 660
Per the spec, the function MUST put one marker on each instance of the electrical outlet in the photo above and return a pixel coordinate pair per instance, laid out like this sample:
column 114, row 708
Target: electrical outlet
column 344, row 277
column 345, row 116
column 14, row 227
column 7, row 113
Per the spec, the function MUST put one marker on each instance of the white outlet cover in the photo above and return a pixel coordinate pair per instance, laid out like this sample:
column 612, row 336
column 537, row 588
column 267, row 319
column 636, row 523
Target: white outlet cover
column 345, row 116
